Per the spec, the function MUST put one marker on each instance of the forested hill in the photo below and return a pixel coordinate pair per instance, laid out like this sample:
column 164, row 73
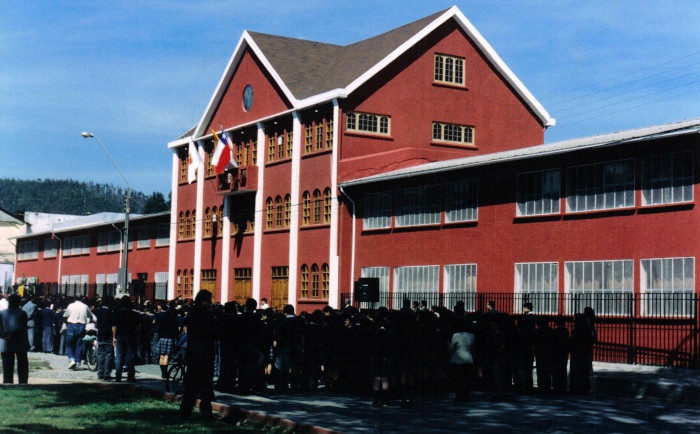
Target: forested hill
column 73, row 197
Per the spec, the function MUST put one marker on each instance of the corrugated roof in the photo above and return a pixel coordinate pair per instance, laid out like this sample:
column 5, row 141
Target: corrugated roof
column 602, row 140
column 91, row 221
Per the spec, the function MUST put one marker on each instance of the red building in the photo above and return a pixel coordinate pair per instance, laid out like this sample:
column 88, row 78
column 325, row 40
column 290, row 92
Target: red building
column 82, row 255
column 303, row 118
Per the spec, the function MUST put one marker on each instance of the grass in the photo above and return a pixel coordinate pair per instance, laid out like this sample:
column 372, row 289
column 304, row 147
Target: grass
column 90, row 408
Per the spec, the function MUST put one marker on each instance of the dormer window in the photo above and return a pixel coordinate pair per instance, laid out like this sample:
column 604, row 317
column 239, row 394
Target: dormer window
column 449, row 69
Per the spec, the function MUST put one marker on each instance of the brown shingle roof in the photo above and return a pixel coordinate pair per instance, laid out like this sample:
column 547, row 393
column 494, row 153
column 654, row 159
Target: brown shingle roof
column 309, row 68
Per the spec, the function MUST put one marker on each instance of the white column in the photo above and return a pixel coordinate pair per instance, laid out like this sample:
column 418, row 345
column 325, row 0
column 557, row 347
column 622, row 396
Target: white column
column 225, row 252
column 294, row 220
column 334, row 270
column 174, row 225
column 198, row 227
column 259, row 212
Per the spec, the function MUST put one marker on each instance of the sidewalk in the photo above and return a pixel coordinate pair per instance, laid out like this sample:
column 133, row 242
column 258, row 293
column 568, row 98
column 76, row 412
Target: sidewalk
column 330, row 412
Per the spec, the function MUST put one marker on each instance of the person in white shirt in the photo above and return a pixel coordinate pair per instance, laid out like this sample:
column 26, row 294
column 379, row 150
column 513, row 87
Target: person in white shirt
column 77, row 316
column 3, row 302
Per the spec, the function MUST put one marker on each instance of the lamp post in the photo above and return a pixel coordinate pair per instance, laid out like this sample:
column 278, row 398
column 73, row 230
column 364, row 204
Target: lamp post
column 124, row 270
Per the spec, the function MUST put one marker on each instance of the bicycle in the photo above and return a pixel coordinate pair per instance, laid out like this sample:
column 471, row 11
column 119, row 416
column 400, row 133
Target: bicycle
column 90, row 349
column 174, row 379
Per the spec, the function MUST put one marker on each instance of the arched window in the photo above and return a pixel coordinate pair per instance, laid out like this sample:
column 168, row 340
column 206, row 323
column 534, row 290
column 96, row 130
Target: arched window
column 269, row 213
column 220, row 220
column 181, row 226
column 178, row 285
column 304, row 281
column 327, row 205
column 279, row 211
column 314, row 281
column 207, row 222
column 306, row 208
column 185, row 284
column 325, row 280
column 287, row 210
column 317, row 207
column 188, row 225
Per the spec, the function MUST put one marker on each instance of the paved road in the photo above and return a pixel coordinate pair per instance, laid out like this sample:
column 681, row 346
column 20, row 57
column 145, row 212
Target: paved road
column 438, row 414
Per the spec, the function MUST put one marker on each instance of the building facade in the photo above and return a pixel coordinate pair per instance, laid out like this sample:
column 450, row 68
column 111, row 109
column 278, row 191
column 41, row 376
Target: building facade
column 302, row 118
column 82, row 255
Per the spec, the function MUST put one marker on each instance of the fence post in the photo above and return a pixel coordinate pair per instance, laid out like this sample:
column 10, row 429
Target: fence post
column 632, row 348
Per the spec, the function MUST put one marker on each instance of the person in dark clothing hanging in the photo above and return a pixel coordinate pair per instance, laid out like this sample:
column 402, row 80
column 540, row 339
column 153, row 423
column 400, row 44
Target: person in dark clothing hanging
column 125, row 329
column 202, row 332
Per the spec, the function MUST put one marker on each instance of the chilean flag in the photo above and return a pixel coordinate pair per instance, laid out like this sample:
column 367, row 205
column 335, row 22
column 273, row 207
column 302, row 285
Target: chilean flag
column 222, row 157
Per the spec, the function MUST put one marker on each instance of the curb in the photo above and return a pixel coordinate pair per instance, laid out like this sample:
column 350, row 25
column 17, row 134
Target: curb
column 229, row 412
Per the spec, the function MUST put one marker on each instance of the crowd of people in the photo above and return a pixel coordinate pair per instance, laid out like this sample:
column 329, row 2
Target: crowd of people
column 382, row 353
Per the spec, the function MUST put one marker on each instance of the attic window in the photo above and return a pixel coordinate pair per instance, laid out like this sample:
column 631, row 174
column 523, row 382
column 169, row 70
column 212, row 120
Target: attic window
column 449, row 69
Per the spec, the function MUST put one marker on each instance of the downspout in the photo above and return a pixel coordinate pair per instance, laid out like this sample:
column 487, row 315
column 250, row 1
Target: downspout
column 352, row 253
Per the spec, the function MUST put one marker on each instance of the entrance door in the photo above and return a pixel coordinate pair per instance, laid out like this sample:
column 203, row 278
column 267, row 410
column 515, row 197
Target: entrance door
column 209, row 282
column 242, row 285
column 279, row 287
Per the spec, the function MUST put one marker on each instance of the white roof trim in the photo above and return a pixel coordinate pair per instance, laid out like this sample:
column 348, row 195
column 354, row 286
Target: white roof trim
column 247, row 41
column 610, row 139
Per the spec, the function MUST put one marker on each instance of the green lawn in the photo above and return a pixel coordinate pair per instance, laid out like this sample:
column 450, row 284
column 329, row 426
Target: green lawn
column 90, row 408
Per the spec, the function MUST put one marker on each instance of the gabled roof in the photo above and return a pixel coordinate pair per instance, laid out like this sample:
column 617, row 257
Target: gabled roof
column 311, row 72
column 691, row 126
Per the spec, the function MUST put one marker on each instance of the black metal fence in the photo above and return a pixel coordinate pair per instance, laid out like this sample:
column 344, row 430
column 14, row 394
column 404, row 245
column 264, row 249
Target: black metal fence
column 660, row 329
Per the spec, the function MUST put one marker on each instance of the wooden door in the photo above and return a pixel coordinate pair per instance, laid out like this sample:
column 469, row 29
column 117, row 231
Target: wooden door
column 242, row 285
column 279, row 287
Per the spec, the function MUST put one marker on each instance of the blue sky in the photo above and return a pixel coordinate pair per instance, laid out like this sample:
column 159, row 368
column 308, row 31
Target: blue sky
column 138, row 74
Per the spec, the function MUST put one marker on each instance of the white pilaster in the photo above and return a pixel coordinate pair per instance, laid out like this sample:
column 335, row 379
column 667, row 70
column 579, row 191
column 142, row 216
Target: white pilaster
column 225, row 251
column 174, row 222
column 294, row 220
column 333, row 264
column 259, row 211
column 198, row 231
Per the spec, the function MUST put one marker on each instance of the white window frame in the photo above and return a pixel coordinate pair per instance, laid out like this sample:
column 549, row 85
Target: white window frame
column 370, row 123
column 667, row 178
column 417, row 279
column 28, row 250
column 606, row 286
column 667, row 287
column 144, row 237
column 537, row 283
column 448, row 69
column 102, row 242
column 382, row 273
column 461, row 278
column 462, row 201
column 50, row 248
column 114, row 241
column 441, row 133
column 162, row 235
column 593, row 187
column 538, row 193
column 418, row 206
column 377, row 208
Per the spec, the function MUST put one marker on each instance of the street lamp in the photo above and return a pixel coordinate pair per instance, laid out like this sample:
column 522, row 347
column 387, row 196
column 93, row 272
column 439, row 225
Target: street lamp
column 124, row 270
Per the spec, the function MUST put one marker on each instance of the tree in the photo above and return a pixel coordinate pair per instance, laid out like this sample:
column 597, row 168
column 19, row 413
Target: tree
column 155, row 203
